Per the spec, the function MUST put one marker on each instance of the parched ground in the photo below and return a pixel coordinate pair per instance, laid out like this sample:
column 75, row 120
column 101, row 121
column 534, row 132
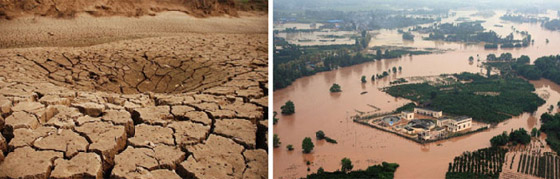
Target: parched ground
column 191, row 105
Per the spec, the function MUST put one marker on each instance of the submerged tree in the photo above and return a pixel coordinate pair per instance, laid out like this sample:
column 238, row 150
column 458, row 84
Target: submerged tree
column 288, row 108
column 320, row 170
column 274, row 119
column 385, row 74
column 499, row 140
column 320, row 135
column 307, row 145
column 346, row 165
column 335, row 88
column 276, row 141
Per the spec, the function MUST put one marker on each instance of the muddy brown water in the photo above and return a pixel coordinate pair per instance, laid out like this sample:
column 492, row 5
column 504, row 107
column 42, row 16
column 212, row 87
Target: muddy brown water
column 317, row 109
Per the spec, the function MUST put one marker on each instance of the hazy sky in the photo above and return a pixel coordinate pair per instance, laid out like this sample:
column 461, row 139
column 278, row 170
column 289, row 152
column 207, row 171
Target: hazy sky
column 383, row 4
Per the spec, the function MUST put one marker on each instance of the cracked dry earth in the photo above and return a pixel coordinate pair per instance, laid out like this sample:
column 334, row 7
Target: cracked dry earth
column 191, row 106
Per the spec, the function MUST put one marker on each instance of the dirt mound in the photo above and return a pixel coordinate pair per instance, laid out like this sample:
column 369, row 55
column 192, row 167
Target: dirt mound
column 69, row 8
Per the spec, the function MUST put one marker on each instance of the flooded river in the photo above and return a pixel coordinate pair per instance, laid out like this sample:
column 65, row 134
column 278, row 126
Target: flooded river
column 317, row 109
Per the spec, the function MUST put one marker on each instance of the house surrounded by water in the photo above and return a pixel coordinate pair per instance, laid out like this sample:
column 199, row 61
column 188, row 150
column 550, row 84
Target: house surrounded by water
column 455, row 124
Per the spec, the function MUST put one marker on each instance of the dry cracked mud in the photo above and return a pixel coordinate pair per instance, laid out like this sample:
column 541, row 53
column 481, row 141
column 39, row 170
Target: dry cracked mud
column 189, row 106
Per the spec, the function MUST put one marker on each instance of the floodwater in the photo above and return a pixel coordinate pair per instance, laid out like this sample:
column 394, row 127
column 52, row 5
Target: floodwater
column 317, row 109
column 323, row 37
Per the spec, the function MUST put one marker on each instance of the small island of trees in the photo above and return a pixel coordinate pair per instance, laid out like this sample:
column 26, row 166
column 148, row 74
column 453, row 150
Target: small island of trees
column 290, row 147
column 472, row 32
column 408, row 36
column 288, row 108
column 335, row 88
column 307, row 145
column 519, row 136
column 321, row 135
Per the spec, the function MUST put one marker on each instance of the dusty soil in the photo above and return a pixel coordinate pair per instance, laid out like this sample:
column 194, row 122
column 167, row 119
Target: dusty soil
column 171, row 105
column 87, row 30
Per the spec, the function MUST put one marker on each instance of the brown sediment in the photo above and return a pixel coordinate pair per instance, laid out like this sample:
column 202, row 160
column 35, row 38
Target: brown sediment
column 317, row 109
column 87, row 30
column 150, row 107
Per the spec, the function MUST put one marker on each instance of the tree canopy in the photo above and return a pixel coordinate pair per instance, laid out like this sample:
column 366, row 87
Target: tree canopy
column 346, row 165
column 519, row 136
column 307, row 145
column 320, row 135
column 490, row 100
column 383, row 171
column 335, row 88
column 276, row 141
column 288, row 108
column 551, row 127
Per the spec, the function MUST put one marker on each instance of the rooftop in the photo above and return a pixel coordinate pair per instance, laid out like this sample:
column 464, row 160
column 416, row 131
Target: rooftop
column 461, row 118
column 426, row 109
column 421, row 123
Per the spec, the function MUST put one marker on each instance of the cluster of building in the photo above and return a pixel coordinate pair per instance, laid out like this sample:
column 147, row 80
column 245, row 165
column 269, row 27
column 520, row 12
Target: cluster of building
column 427, row 129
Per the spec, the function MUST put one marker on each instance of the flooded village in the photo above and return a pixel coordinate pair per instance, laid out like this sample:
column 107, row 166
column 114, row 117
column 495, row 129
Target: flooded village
column 421, row 125
column 371, row 126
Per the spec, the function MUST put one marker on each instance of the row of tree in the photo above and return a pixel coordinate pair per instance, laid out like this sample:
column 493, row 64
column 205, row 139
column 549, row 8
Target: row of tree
column 483, row 163
column 543, row 166
column 383, row 171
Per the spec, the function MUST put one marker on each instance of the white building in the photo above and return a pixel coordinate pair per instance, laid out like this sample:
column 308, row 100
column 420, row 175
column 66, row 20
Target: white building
column 455, row 124
column 408, row 115
column 461, row 123
column 428, row 112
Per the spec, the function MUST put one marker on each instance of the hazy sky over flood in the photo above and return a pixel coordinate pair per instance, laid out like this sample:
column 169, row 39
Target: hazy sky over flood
column 384, row 4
